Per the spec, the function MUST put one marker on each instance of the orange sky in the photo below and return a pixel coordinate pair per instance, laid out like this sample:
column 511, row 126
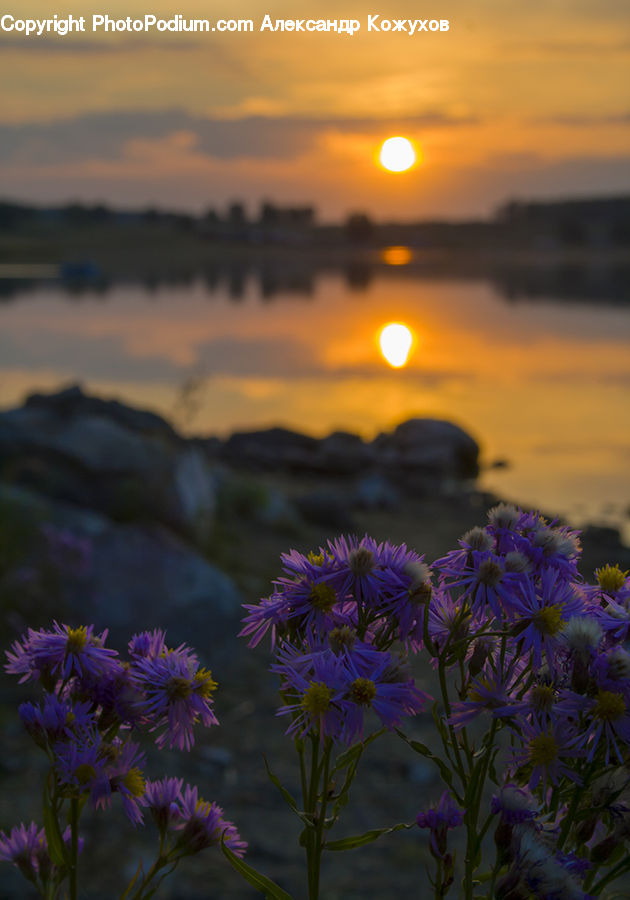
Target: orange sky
column 525, row 99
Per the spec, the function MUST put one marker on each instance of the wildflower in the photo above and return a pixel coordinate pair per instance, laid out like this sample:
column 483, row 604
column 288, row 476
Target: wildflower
column 178, row 694
column 124, row 776
column 544, row 746
column 314, row 684
column 55, row 719
column 607, row 719
column 491, row 690
column 61, row 653
column 439, row 820
column 148, row 644
column 21, row 847
column 81, row 767
column 202, row 825
column 613, row 581
column 163, row 799
column 541, row 613
column 515, row 805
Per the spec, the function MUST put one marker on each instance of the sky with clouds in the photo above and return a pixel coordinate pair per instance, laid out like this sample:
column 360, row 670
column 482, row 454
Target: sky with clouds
column 524, row 99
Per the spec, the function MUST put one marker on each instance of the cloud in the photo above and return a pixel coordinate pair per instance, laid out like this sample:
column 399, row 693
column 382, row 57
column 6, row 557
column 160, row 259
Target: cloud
column 105, row 136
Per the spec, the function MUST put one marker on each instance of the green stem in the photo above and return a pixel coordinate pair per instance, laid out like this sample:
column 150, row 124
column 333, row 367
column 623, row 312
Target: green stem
column 615, row 872
column 321, row 818
column 311, row 809
column 74, row 847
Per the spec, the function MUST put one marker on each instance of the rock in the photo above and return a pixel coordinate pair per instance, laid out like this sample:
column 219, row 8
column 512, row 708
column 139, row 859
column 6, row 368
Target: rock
column 196, row 487
column 343, row 453
column 140, row 576
column 73, row 402
column 428, row 445
column 270, row 449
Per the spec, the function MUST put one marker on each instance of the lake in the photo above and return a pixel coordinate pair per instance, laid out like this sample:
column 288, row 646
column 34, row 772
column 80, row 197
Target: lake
column 540, row 376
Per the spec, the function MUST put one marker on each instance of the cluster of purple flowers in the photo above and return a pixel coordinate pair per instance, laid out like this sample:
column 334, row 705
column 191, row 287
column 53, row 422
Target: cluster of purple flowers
column 94, row 705
column 524, row 645
column 333, row 617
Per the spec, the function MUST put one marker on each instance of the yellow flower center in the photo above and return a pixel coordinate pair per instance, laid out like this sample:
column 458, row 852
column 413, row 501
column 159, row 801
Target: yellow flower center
column 84, row 773
column 549, row 619
column 543, row 750
column 134, row 782
column 542, row 696
column 77, row 639
column 317, row 559
column 610, row 578
column 363, row 691
column 323, row 597
column 316, row 699
column 490, row 573
column 609, row 706
column 178, row 688
column 205, row 683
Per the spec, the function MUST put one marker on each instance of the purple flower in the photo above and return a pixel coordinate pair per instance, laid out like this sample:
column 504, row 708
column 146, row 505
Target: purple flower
column 541, row 613
column 439, row 819
column 202, row 825
column 163, row 799
column 23, row 847
column 61, row 653
column 178, row 694
column 544, row 746
column 55, row 719
column 147, row 644
column 124, row 776
column 80, row 765
column 515, row 805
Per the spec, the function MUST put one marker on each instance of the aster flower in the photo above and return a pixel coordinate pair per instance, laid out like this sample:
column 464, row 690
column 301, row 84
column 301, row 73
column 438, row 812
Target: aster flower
column 493, row 690
column 61, row 653
column 22, row 847
column 178, row 694
column 607, row 720
column 81, row 767
column 514, row 804
column 148, row 644
column 540, row 614
column 314, row 686
column 375, row 680
column 545, row 874
column 544, row 746
column 124, row 776
column 269, row 613
column 439, row 820
column 202, row 825
column 163, row 799
column 55, row 719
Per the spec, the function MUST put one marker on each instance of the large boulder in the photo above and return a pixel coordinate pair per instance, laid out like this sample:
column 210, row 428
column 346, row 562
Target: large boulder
column 433, row 446
column 131, row 577
column 98, row 454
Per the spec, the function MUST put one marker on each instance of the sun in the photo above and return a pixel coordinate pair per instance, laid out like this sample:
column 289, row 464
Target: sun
column 397, row 154
column 395, row 341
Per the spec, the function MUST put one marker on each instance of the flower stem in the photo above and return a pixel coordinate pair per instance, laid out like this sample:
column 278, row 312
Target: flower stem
column 74, row 847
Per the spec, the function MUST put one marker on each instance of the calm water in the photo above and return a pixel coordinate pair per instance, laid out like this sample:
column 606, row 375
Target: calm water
column 541, row 384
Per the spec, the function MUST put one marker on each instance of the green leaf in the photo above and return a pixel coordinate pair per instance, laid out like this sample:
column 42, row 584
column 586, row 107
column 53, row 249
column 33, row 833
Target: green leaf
column 358, row 840
column 56, row 847
column 132, row 882
column 265, row 885
column 288, row 796
column 349, row 756
column 445, row 772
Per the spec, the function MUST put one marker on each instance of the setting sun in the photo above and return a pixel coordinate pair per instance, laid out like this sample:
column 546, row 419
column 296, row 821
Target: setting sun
column 397, row 154
column 395, row 341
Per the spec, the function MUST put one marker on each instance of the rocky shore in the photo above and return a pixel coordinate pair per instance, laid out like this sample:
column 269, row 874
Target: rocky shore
column 108, row 515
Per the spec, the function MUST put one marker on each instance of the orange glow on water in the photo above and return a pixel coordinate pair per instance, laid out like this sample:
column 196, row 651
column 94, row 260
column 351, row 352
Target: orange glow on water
column 397, row 256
